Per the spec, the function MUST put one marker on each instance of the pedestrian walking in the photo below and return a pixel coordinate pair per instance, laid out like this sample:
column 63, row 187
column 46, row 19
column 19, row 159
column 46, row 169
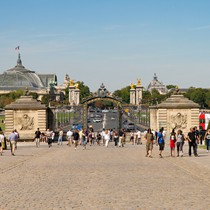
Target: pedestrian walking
column 12, row 139
column 17, row 137
column 76, row 138
column 1, row 142
column 60, row 137
column 149, row 143
column 107, row 138
column 121, row 136
column 180, row 143
column 48, row 135
column 192, row 142
column 172, row 142
column 98, row 138
column 132, row 139
column 84, row 140
column 161, row 142
column 138, row 133
column 90, row 137
column 116, row 138
column 69, row 137
column 37, row 137
column 207, row 139
column 103, row 134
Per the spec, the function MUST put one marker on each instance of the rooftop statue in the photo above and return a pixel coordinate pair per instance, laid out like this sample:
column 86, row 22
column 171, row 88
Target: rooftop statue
column 66, row 79
column 77, row 86
column 138, row 82
column 71, row 83
column 26, row 91
column 176, row 92
column 132, row 86
column 102, row 91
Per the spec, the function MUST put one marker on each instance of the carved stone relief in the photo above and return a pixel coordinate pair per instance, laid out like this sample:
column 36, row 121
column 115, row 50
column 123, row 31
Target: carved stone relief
column 179, row 121
column 26, row 122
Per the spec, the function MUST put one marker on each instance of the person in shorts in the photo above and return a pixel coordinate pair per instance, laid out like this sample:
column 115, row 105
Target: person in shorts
column 76, row 138
column 161, row 142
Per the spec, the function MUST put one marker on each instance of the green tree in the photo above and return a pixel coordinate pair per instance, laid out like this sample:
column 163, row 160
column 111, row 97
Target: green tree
column 84, row 90
column 207, row 98
column 198, row 95
column 33, row 94
column 170, row 86
column 124, row 94
column 146, row 96
column 46, row 99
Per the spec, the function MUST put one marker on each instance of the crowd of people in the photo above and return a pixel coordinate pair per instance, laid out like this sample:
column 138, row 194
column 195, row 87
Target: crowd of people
column 86, row 137
column 176, row 141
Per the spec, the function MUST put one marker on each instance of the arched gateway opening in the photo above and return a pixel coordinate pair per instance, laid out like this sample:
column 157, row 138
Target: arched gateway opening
column 101, row 95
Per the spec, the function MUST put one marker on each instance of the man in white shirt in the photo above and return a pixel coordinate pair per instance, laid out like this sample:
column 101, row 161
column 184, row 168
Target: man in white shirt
column 69, row 137
column 138, row 133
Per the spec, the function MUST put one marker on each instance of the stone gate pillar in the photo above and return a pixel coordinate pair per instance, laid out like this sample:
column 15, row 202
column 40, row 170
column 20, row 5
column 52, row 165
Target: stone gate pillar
column 26, row 115
column 71, row 95
column 139, row 90
column 76, row 96
column 132, row 95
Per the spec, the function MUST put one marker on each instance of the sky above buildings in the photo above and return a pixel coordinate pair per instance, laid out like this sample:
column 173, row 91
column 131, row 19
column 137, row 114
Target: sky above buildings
column 110, row 41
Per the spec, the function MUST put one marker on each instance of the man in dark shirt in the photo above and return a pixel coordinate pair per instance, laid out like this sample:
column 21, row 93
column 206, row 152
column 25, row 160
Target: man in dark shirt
column 76, row 138
column 37, row 137
column 192, row 142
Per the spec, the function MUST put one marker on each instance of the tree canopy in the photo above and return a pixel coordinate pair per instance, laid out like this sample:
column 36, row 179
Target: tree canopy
column 124, row 94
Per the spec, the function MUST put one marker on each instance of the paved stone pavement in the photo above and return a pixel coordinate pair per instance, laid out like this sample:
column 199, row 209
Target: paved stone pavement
column 102, row 178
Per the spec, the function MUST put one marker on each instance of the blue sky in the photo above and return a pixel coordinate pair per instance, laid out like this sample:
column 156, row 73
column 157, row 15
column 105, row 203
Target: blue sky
column 109, row 41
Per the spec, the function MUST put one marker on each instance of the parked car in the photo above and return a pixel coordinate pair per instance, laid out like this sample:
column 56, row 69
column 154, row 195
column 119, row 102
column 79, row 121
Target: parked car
column 105, row 110
column 96, row 120
column 130, row 127
column 92, row 115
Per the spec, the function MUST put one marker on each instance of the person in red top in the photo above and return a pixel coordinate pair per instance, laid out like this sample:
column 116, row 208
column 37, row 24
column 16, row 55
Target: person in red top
column 172, row 142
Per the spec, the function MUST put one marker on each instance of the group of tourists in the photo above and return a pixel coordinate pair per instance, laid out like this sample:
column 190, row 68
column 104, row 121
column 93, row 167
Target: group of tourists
column 82, row 137
column 176, row 141
column 12, row 139
column 86, row 137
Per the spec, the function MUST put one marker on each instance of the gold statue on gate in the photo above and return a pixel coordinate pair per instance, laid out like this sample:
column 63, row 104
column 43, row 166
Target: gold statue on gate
column 138, row 82
column 77, row 86
column 132, row 86
column 71, row 83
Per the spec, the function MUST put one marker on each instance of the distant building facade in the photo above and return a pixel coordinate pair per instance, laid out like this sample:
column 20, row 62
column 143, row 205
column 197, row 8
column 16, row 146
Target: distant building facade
column 155, row 84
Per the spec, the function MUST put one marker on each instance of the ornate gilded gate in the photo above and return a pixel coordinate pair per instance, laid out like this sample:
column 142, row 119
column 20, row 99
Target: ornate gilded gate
column 102, row 95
